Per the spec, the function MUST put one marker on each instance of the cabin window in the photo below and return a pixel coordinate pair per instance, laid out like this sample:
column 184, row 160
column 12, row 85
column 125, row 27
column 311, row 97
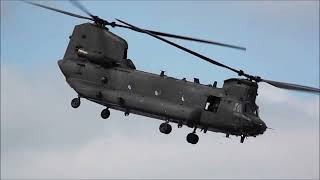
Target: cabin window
column 212, row 103
column 157, row 92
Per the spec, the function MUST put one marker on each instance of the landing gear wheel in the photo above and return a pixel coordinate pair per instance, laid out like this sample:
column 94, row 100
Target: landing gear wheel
column 192, row 138
column 242, row 139
column 165, row 128
column 75, row 103
column 105, row 113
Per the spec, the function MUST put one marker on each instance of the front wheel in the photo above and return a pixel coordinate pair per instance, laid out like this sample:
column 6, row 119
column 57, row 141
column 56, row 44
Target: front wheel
column 75, row 103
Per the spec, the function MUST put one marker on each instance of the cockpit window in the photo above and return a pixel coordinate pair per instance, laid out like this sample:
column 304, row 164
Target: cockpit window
column 125, row 53
column 251, row 109
column 237, row 107
column 248, row 109
column 257, row 110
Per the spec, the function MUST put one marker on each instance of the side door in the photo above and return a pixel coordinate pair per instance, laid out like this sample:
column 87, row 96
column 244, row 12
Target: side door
column 210, row 111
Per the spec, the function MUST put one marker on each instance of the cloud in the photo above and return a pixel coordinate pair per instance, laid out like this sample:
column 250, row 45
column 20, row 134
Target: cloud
column 43, row 137
column 281, row 109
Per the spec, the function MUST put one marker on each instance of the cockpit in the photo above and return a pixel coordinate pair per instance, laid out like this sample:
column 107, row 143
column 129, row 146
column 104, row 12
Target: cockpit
column 251, row 109
column 248, row 114
column 246, row 108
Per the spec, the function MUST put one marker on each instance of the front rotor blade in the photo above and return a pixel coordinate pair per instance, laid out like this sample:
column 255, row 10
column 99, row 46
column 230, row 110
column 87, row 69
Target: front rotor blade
column 195, row 39
column 58, row 10
column 290, row 86
column 187, row 50
column 182, row 37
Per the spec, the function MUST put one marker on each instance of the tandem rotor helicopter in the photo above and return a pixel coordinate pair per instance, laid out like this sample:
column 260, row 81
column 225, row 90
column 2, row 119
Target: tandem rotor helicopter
column 96, row 66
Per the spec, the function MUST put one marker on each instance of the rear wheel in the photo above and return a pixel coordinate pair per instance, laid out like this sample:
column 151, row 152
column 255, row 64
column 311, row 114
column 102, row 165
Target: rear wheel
column 105, row 113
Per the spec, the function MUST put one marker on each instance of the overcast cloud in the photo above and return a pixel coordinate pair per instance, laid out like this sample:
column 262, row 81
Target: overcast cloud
column 43, row 137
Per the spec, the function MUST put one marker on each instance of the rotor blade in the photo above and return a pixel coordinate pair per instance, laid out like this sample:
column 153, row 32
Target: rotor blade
column 58, row 10
column 240, row 72
column 195, row 39
column 94, row 18
column 182, row 37
column 290, row 86
column 187, row 50
column 81, row 7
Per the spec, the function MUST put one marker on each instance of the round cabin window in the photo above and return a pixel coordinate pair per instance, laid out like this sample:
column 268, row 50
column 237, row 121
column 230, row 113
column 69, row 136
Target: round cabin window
column 157, row 92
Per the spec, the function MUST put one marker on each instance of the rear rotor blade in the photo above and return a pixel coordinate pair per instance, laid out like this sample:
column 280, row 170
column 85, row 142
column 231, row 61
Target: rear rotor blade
column 290, row 86
column 58, row 10
column 81, row 7
column 104, row 22
column 96, row 19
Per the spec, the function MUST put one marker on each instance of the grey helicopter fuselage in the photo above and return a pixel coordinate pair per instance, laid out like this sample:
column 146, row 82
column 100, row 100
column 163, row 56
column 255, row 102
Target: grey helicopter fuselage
column 95, row 65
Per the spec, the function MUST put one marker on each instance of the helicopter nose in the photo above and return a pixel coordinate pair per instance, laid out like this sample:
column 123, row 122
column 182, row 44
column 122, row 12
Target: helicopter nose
column 262, row 127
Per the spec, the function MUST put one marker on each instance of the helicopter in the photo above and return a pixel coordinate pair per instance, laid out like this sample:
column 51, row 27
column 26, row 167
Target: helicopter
column 96, row 66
